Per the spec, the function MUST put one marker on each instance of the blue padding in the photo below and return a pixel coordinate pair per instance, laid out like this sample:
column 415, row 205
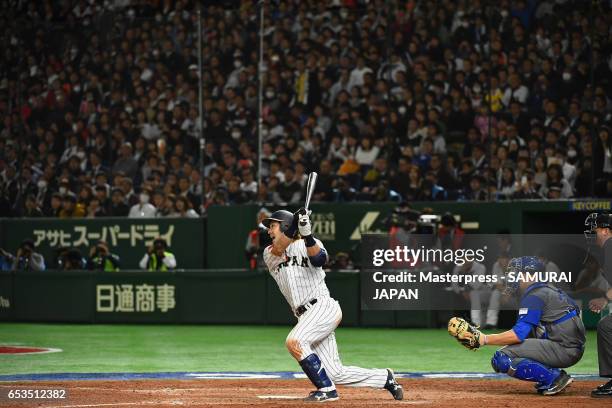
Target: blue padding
column 534, row 306
column 315, row 372
column 532, row 302
column 530, row 370
column 568, row 316
column 522, row 330
column 319, row 259
column 500, row 362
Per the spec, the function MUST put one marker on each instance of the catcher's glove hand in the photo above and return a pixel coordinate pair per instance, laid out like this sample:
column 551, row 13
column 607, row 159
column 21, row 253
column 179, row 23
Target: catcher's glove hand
column 464, row 332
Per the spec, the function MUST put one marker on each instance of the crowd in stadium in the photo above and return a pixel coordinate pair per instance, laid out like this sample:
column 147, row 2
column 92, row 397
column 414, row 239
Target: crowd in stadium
column 387, row 101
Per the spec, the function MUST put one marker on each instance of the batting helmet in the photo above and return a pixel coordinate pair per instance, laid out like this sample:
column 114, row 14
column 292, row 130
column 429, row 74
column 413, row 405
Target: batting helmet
column 284, row 217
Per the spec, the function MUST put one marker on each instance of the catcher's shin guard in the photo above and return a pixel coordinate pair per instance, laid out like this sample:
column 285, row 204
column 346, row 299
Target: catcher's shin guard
column 315, row 372
column 530, row 370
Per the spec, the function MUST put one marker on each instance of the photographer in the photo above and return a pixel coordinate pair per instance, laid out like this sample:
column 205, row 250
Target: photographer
column 26, row 259
column 450, row 233
column 158, row 258
column 101, row 259
column 6, row 261
column 70, row 259
column 402, row 222
column 257, row 240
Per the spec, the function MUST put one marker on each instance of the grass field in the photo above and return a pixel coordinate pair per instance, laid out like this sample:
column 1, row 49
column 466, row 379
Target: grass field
column 155, row 348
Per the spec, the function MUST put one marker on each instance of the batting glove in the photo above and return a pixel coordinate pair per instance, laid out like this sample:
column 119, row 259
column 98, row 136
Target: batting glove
column 304, row 224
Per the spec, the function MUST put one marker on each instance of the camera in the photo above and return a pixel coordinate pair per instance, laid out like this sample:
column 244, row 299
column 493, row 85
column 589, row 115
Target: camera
column 27, row 248
column 427, row 224
column 403, row 217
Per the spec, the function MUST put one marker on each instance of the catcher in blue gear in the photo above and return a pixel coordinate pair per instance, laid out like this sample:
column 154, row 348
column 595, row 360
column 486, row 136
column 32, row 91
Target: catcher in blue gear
column 547, row 337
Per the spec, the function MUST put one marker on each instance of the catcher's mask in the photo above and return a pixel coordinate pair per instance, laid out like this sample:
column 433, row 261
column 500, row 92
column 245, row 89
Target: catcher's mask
column 520, row 264
column 594, row 221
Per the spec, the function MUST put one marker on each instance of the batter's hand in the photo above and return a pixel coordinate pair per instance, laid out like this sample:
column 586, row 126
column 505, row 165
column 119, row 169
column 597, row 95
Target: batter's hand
column 304, row 224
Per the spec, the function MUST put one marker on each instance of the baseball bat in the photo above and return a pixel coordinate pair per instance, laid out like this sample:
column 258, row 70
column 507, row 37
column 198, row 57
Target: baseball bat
column 310, row 186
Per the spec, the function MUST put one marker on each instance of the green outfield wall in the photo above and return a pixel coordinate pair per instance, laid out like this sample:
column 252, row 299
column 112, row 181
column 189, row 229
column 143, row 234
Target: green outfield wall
column 194, row 297
column 227, row 297
column 217, row 243
column 126, row 237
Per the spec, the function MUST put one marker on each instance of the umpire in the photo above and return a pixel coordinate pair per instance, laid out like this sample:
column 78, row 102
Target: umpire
column 599, row 231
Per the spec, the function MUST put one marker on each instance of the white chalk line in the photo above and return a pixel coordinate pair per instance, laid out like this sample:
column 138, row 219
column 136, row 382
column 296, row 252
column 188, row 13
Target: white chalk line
column 117, row 404
column 280, row 397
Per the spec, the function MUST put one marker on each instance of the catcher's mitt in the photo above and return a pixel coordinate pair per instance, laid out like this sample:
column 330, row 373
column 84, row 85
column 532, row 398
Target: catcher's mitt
column 464, row 332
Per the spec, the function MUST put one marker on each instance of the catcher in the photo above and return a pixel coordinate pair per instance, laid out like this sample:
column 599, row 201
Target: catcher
column 547, row 337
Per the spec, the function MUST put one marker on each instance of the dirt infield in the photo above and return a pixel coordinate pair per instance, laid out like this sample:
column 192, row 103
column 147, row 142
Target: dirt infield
column 285, row 393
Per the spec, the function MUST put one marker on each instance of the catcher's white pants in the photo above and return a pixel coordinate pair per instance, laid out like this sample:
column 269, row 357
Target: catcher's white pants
column 485, row 299
column 314, row 333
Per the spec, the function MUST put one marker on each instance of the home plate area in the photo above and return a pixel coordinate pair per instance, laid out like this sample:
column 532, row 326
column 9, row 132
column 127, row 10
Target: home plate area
column 284, row 390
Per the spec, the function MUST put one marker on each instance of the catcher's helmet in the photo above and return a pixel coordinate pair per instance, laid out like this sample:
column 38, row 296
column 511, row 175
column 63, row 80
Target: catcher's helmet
column 521, row 264
column 594, row 221
column 284, row 217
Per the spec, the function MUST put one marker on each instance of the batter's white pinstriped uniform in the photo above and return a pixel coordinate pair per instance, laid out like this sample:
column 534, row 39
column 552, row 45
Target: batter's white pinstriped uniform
column 300, row 282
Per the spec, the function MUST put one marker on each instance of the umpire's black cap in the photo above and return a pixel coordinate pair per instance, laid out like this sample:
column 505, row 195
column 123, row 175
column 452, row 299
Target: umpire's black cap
column 284, row 217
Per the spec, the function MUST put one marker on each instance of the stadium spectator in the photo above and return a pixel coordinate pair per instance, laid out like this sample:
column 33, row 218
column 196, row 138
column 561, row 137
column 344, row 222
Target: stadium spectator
column 144, row 209
column 54, row 207
column 114, row 110
column 32, row 209
column 555, row 182
column 118, row 207
column 527, row 189
column 158, row 258
column 182, row 208
column 289, row 191
column 235, row 194
column 168, row 206
column 70, row 207
column 95, row 209
column 477, row 190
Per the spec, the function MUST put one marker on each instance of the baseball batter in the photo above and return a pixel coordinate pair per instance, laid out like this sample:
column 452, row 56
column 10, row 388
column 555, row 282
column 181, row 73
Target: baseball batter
column 548, row 334
column 296, row 265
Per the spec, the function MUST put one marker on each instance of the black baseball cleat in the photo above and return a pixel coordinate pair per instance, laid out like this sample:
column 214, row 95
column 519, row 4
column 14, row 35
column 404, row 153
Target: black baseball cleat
column 603, row 391
column 322, row 396
column 393, row 386
column 561, row 383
